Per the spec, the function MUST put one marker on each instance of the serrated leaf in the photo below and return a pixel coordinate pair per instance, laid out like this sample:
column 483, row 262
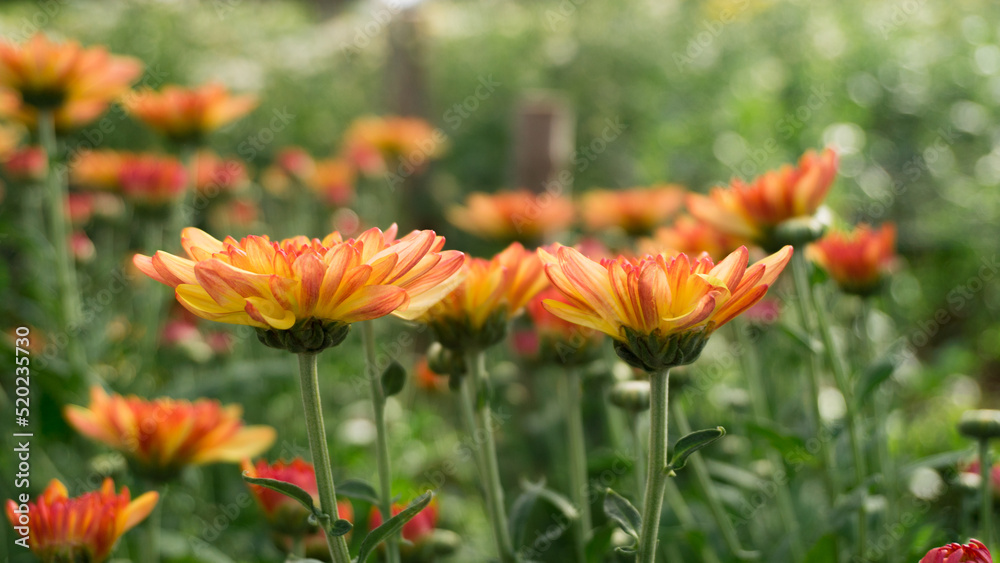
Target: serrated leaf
column 873, row 376
column 392, row 525
column 358, row 490
column 289, row 490
column 691, row 443
column 619, row 509
column 393, row 379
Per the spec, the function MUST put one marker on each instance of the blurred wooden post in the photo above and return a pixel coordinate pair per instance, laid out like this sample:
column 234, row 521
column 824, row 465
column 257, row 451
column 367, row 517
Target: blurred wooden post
column 543, row 143
column 406, row 88
column 406, row 84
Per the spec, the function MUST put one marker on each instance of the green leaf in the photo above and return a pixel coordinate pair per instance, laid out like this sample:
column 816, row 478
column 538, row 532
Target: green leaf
column 599, row 544
column 822, row 551
column 393, row 379
column 287, row 489
column 358, row 490
column 339, row 528
column 525, row 503
column 392, row 525
column 873, row 376
column 619, row 509
column 801, row 338
column 519, row 514
column 692, row 443
column 777, row 437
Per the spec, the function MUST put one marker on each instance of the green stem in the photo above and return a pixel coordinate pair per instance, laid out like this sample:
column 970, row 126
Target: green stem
column 986, row 495
column 762, row 411
column 880, row 414
column 151, row 548
column 640, row 457
column 315, row 429
column 182, row 210
column 676, row 502
column 656, row 474
column 853, row 423
column 712, row 496
column 57, row 192
column 572, row 392
column 476, row 364
column 803, row 290
column 381, row 438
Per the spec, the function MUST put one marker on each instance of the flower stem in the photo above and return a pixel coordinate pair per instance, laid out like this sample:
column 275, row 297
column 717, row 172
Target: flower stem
column 853, row 423
column 803, row 290
column 56, row 193
column 656, row 475
column 151, row 548
column 309, row 380
column 475, row 361
column 986, row 494
column 762, row 411
column 381, row 438
column 712, row 496
column 640, row 456
column 572, row 391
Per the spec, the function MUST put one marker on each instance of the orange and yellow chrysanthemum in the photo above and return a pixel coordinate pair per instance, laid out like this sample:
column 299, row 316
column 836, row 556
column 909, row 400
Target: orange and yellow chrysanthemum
column 475, row 314
column 659, row 309
column 513, row 215
column 164, row 435
column 274, row 285
column 754, row 210
column 83, row 528
column 857, row 260
column 692, row 237
column 636, row 211
column 373, row 144
column 74, row 82
column 187, row 114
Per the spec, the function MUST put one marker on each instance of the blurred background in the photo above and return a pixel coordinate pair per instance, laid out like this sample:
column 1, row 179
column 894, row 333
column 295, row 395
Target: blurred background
column 619, row 94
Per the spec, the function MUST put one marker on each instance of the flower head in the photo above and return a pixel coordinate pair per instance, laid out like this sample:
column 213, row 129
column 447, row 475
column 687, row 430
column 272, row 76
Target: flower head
column 286, row 514
column 558, row 338
column 83, row 528
column 660, row 310
column 333, row 181
column 188, row 114
column 216, row 175
column 319, row 287
column 26, row 164
column 164, row 435
column 287, row 517
column 974, row 552
column 858, row 260
column 636, row 211
column 98, row 169
column 692, row 237
column 66, row 78
column 475, row 314
column 419, row 528
column 151, row 180
column 753, row 211
column 513, row 215
column 374, row 144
